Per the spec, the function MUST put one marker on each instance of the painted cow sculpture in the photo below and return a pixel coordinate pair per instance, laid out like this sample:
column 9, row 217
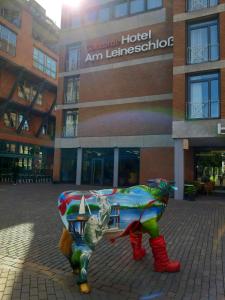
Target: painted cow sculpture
column 88, row 215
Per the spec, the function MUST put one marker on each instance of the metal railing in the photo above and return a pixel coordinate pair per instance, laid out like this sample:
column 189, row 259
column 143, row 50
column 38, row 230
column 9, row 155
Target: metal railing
column 70, row 100
column 202, row 110
column 202, row 54
column 200, row 4
column 69, row 132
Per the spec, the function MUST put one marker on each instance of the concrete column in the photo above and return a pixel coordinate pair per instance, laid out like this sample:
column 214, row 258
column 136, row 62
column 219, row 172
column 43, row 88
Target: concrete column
column 79, row 166
column 179, row 168
column 57, row 165
column 116, row 167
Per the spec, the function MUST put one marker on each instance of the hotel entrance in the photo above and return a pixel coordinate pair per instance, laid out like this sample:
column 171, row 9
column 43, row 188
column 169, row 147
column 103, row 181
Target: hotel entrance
column 210, row 165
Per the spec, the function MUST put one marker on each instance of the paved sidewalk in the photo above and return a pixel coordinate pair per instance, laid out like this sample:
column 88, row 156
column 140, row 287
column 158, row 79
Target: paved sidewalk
column 31, row 267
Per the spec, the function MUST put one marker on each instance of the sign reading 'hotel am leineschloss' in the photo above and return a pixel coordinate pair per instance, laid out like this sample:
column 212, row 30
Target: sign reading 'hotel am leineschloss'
column 128, row 39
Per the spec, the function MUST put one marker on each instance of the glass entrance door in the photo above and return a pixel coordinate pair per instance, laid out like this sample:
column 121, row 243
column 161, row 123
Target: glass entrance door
column 97, row 171
column 210, row 165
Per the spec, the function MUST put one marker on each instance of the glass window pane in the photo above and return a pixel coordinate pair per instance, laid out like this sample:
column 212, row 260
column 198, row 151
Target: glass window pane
column 214, row 99
column 121, row 10
column 198, row 50
column 76, row 22
column 104, row 14
column 151, row 4
column 137, row 6
column 73, row 58
column 90, row 17
column 214, row 43
column 198, row 100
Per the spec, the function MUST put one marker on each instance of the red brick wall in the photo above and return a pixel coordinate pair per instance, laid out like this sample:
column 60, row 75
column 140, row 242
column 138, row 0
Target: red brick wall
column 135, row 81
column 130, row 119
column 156, row 163
column 25, row 44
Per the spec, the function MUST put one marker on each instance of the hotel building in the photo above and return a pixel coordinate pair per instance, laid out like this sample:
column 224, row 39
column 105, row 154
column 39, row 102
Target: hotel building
column 28, row 89
column 140, row 93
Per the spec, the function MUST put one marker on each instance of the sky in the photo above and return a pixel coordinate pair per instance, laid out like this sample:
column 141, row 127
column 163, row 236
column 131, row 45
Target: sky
column 53, row 9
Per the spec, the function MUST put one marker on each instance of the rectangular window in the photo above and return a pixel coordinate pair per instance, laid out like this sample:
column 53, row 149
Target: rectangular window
column 13, row 16
column 104, row 14
column 200, row 4
column 28, row 93
column 73, row 62
column 70, row 123
column 137, row 6
column 90, row 17
column 76, row 21
column 121, row 9
column 203, row 42
column 153, row 4
column 72, row 87
column 7, row 40
column 44, row 63
column 203, row 96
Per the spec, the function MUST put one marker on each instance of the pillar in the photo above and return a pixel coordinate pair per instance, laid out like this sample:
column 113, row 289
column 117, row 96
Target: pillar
column 179, row 168
column 116, row 167
column 79, row 166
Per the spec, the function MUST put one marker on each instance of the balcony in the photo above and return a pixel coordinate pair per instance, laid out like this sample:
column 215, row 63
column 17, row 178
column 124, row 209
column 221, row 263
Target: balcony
column 202, row 54
column 200, row 109
column 69, row 132
column 194, row 5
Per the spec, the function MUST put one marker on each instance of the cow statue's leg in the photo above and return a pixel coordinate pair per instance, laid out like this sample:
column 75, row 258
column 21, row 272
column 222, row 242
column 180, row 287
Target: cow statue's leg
column 158, row 245
column 136, row 244
column 81, row 254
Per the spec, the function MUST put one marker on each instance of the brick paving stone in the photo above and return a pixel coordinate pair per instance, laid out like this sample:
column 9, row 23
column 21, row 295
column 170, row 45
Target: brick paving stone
column 33, row 268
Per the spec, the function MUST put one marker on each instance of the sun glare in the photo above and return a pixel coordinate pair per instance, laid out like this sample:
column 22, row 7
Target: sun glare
column 73, row 3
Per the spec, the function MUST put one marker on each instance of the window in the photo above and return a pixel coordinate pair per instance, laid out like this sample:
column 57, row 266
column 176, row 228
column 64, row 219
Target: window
column 90, row 17
column 137, row 6
column 203, row 42
column 13, row 120
column 104, row 14
column 68, row 165
column 30, row 93
column 72, row 87
column 203, row 96
column 13, row 16
column 200, row 4
column 121, row 9
column 152, row 4
column 7, row 40
column 70, row 123
column 76, row 21
column 44, row 63
column 73, row 62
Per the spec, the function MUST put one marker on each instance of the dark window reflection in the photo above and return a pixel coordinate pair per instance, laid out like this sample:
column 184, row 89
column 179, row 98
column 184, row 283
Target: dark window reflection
column 68, row 165
column 129, row 164
column 97, row 167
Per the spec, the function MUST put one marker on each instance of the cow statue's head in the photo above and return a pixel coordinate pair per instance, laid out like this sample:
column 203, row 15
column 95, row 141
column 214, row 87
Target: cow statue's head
column 160, row 189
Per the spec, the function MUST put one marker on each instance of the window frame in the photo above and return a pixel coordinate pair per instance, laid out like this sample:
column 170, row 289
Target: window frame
column 188, row 95
column 44, row 65
column 11, row 36
column 65, row 126
column 188, row 31
column 78, row 62
column 76, row 82
column 207, row 7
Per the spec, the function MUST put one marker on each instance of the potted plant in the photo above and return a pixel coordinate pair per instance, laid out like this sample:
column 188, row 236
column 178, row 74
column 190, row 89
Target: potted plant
column 190, row 192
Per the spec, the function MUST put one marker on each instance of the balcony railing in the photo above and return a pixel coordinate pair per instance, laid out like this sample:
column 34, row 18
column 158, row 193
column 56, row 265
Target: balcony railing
column 202, row 54
column 202, row 110
column 200, row 4
column 70, row 100
column 69, row 132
